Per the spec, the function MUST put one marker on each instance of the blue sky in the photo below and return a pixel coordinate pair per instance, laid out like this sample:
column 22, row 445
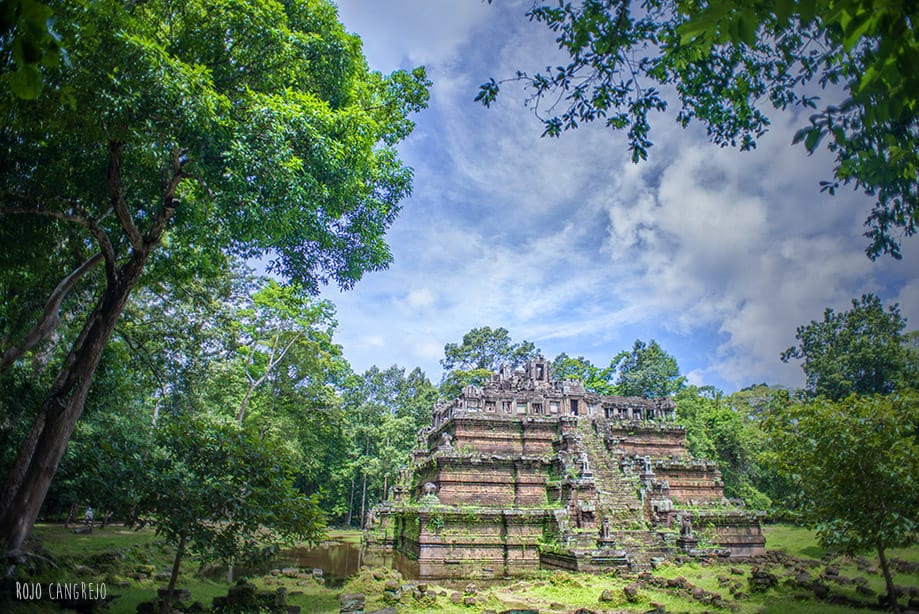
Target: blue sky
column 716, row 254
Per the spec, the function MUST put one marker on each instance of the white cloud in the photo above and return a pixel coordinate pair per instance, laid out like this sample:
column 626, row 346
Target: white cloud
column 427, row 350
column 410, row 32
column 717, row 242
column 374, row 341
column 567, row 243
column 420, row 299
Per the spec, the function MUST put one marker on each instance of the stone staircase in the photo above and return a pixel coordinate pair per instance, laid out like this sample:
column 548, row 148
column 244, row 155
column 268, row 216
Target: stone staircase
column 641, row 545
column 618, row 494
column 632, row 541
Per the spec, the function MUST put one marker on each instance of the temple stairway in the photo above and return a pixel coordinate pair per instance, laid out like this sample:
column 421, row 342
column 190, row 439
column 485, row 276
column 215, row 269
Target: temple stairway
column 641, row 545
column 619, row 500
column 618, row 496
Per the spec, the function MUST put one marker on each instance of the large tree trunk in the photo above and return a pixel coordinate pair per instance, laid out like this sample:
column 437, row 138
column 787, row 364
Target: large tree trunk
column 35, row 465
column 17, row 471
column 41, row 453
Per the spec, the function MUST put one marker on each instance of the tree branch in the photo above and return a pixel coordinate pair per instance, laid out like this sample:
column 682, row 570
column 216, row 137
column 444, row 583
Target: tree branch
column 255, row 383
column 50, row 316
column 80, row 217
column 117, row 198
column 170, row 202
column 139, row 347
column 54, row 213
column 289, row 345
column 105, row 245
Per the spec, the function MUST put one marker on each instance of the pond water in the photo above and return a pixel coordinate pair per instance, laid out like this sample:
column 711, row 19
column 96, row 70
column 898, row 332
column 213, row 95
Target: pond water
column 338, row 561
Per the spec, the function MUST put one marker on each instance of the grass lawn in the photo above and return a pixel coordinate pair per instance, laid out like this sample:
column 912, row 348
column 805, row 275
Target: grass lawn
column 128, row 562
column 796, row 541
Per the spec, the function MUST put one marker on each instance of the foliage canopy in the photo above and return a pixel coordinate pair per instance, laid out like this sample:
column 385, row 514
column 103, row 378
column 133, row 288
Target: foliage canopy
column 719, row 428
column 484, row 348
column 279, row 145
column 862, row 350
column 646, row 371
column 178, row 134
column 854, row 464
column 595, row 379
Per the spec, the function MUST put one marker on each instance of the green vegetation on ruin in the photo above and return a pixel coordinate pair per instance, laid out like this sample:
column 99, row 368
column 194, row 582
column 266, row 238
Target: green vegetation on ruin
column 115, row 555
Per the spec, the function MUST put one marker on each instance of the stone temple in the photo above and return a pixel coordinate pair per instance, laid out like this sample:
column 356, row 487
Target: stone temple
column 527, row 473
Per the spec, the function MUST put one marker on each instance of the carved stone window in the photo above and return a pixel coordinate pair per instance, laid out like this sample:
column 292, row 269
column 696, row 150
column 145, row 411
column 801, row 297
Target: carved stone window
column 537, row 408
column 521, row 407
column 553, row 407
column 506, row 406
column 490, row 406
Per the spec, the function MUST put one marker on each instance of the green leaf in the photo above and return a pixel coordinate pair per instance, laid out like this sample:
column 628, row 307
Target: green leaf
column 853, row 37
column 814, row 136
column 35, row 13
column 783, row 10
column 26, row 82
column 807, row 9
column 747, row 25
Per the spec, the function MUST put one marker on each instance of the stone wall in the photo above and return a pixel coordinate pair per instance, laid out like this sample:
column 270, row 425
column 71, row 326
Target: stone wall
column 645, row 439
column 737, row 532
column 471, row 544
column 496, row 434
column 493, row 481
column 692, row 481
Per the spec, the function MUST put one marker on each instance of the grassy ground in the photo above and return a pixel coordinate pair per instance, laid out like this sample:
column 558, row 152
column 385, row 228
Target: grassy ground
column 134, row 564
column 128, row 563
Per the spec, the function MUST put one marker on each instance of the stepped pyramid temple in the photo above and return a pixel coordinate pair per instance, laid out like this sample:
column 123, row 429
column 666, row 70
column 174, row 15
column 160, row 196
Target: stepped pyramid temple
column 528, row 473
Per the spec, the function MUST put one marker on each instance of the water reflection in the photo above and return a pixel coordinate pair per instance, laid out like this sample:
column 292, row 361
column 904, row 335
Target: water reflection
column 338, row 561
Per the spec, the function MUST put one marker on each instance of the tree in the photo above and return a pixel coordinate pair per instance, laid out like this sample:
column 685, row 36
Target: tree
column 484, row 348
column 720, row 428
column 189, row 351
column 861, row 351
column 855, row 467
column 278, row 323
column 384, row 410
column 173, row 337
column 453, row 382
column 726, row 59
column 105, row 465
column 647, row 371
column 223, row 492
column 180, row 133
column 595, row 379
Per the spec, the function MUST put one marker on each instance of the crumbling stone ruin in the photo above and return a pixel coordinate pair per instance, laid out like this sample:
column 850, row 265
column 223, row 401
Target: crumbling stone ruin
column 527, row 472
